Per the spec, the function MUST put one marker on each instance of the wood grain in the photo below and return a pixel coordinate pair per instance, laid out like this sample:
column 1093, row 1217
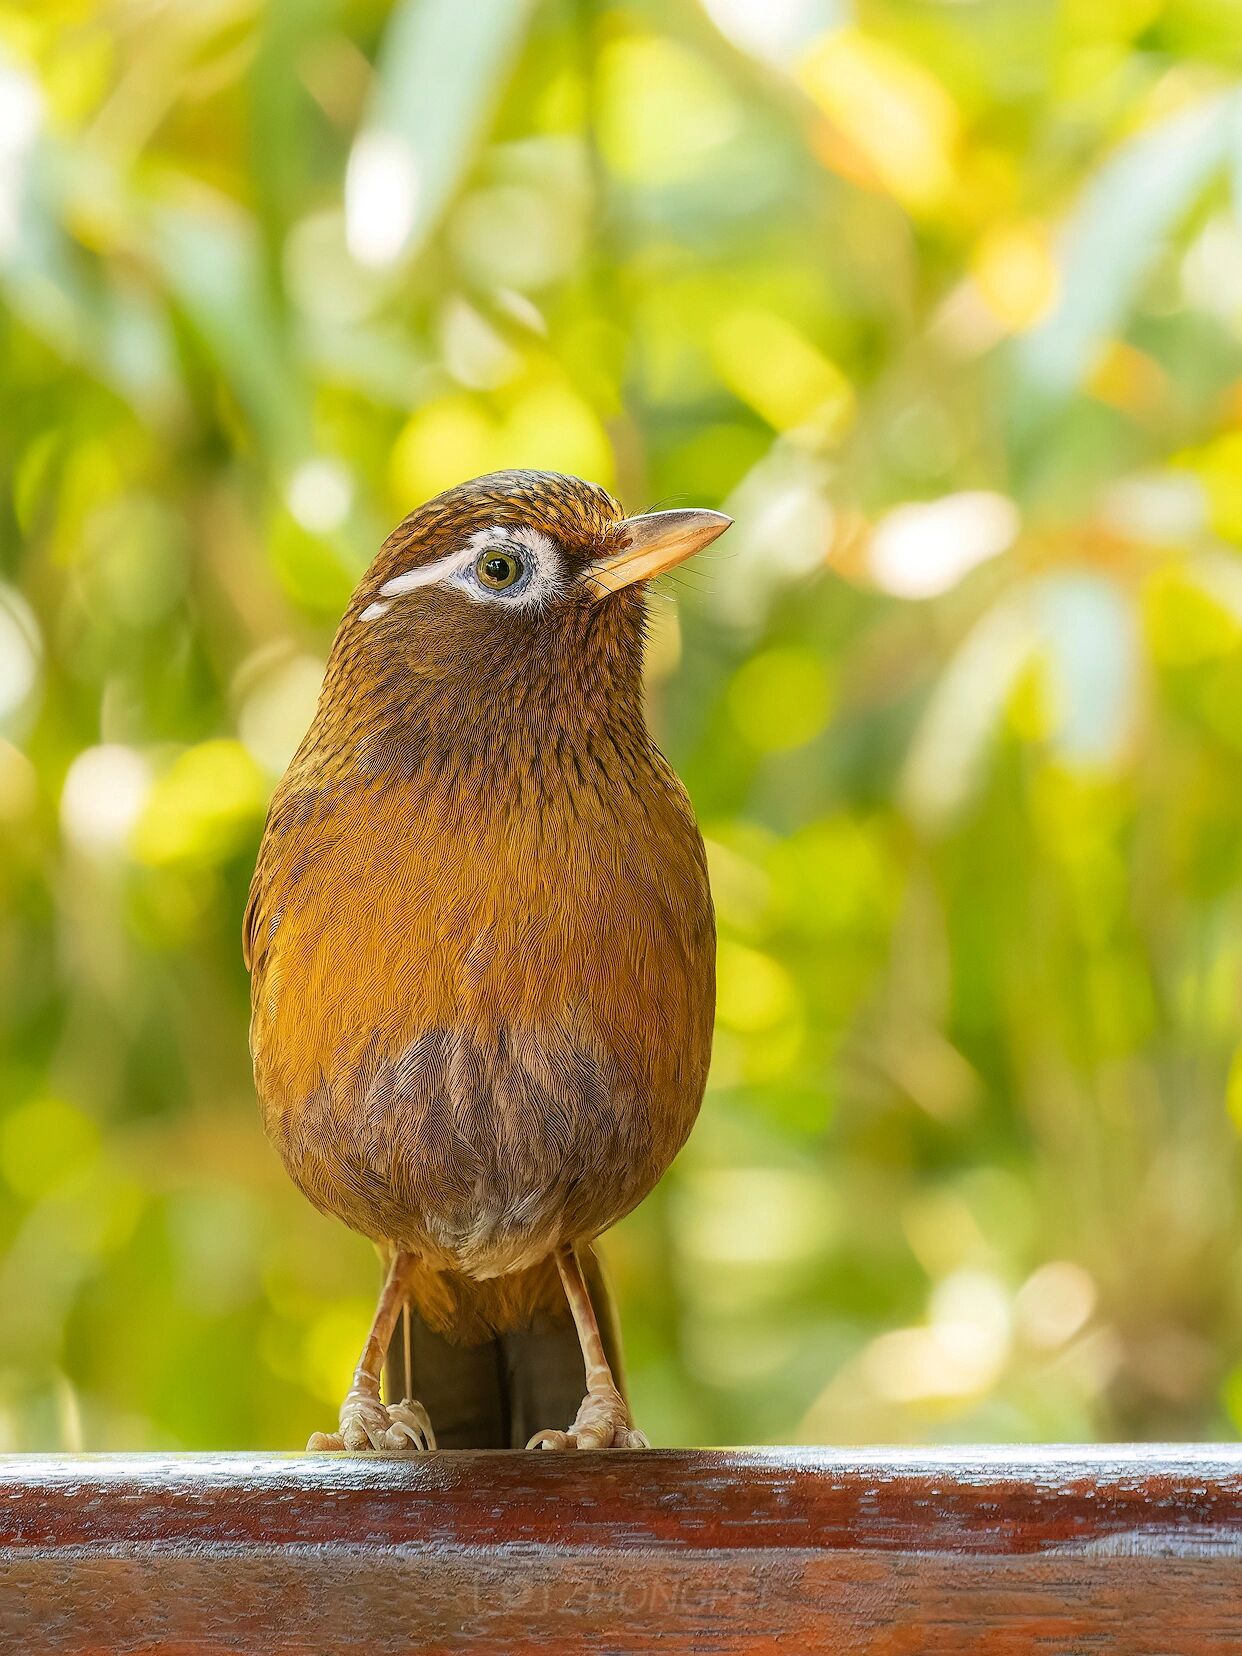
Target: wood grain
column 1059, row 1552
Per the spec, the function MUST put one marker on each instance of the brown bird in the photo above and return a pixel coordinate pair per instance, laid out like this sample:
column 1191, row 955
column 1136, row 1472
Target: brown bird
column 481, row 942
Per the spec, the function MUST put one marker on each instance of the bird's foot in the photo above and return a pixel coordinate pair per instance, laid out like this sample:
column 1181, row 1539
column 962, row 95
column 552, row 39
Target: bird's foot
column 602, row 1422
column 366, row 1423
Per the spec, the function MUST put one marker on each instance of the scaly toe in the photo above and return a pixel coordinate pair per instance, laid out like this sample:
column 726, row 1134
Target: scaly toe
column 356, row 1436
column 324, row 1442
column 553, row 1440
column 603, row 1422
column 411, row 1427
column 596, row 1434
column 366, row 1424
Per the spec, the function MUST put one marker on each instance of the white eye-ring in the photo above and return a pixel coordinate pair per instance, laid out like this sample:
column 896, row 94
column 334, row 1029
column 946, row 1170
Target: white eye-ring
column 505, row 564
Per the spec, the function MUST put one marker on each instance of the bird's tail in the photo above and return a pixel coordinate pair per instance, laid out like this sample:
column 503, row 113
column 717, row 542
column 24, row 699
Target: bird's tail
column 489, row 1389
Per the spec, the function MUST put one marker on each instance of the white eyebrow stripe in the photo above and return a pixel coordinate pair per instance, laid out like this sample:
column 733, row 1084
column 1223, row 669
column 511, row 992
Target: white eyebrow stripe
column 546, row 581
column 374, row 611
column 428, row 574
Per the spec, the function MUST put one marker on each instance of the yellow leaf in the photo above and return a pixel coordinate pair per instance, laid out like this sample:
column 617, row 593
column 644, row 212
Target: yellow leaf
column 890, row 109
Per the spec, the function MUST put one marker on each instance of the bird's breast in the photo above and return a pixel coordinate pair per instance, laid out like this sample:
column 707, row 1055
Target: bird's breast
column 482, row 1018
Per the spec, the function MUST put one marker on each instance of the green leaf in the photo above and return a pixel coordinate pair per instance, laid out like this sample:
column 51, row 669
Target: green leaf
column 1112, row 239
column 211, row 263
column 441, row 68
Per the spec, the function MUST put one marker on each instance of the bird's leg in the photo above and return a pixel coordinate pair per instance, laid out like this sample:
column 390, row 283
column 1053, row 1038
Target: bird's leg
column 603, row 1419
column 366, row 1422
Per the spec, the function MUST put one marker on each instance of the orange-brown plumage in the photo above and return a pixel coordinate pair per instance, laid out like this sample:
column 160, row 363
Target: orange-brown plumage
column 480, row 929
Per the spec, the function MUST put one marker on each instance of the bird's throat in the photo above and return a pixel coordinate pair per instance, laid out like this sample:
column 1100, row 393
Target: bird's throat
column 558, row 705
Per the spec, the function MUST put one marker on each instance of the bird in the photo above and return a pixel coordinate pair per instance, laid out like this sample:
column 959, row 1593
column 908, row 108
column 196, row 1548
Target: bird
column 481, row 942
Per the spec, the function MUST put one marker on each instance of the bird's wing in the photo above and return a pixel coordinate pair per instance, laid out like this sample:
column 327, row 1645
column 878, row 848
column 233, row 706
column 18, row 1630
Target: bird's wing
column 262, row 886
column 297, row 834
column 251, row 918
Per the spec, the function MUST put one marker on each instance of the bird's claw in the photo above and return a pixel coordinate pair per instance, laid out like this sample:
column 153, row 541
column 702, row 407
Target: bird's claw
column 602, row 1422
column 630, row 1439
column 368, row 1424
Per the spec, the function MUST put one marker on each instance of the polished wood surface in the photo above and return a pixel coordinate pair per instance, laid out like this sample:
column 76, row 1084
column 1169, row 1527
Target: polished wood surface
column 1060, row 1552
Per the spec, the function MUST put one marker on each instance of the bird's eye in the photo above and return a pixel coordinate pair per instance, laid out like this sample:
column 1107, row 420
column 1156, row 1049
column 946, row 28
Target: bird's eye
column 499, row 570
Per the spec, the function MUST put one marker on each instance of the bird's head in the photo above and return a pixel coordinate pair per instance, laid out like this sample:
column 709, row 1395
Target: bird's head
column 513, row 595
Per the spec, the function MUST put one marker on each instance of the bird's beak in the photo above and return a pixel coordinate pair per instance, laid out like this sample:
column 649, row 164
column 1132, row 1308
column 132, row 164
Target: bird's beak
column 653, row 543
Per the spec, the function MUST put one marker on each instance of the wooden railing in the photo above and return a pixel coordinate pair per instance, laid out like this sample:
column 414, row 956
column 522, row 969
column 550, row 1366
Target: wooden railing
column 999, row 1552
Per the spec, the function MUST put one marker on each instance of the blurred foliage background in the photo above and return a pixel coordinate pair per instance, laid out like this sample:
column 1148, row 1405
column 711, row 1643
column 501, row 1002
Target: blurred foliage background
column 943, row 302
